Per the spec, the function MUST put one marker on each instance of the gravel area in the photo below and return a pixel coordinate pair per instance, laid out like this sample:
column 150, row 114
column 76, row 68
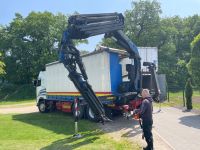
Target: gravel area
column 15, row 109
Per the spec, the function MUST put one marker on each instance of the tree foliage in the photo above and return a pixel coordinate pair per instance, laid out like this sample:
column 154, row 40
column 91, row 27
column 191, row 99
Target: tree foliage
column 142, row 22
column 30, row 44
column 194, row 63
column 27, row 44
column 2, row 66
column 172, row 35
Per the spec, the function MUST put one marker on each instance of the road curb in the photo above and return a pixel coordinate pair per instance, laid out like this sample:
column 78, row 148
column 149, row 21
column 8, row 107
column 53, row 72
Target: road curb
column 165, row 141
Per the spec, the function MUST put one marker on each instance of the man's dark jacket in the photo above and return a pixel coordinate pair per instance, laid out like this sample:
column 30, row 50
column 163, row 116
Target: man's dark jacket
column 146, row 110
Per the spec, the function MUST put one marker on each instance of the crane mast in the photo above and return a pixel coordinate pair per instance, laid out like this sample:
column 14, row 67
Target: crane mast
column 87, row 25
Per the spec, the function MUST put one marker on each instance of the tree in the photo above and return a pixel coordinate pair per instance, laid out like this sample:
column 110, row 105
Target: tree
column 144, row 27
column 142, row 24
column 29, row 43
column 193, row 65
column 167, row 63
column 109, row 42
column 188, row 94
column 2, row 66
column 143, row 21
column 172, row 48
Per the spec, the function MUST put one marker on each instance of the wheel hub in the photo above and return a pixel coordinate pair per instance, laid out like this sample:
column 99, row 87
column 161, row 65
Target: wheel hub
column 42, row 107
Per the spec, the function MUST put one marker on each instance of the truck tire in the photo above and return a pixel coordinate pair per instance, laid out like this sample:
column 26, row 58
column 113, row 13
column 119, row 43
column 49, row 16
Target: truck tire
column 81, row 110
column 90, row 115
column 42, row 106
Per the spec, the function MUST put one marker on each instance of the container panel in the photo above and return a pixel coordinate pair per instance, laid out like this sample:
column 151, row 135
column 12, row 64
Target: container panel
column 97, row 68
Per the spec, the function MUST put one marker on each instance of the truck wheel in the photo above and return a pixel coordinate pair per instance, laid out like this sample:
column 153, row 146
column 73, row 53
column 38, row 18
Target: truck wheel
column 90, row 115
column 81, row 110
column 42, row 107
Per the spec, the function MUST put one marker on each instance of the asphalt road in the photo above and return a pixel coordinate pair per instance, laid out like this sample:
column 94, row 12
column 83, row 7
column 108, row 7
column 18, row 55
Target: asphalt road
column 180, row 129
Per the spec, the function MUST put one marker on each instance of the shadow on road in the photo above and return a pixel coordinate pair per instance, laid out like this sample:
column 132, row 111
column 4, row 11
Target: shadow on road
column 72, row 143
column 132, row 133
column 126, row 128
column 191, row 121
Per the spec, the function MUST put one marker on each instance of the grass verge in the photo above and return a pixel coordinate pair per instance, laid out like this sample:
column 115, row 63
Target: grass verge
column 176, row 99
column 52, row 131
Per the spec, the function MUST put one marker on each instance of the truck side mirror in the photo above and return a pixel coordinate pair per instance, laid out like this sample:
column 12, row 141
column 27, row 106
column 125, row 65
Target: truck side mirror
column 38, row 82
column 35, row 83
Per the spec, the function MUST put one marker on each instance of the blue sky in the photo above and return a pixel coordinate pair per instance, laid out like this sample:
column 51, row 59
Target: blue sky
column 8, row 8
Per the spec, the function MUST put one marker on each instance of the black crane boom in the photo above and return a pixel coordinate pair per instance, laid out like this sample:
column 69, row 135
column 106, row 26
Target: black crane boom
column 87, row 25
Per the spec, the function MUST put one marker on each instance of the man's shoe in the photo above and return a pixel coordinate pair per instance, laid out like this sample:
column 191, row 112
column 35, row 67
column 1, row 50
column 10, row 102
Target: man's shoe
column 147, row 148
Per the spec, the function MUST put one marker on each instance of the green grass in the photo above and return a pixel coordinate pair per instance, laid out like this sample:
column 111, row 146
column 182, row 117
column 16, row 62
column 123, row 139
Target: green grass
column 176, row 99
column 54, row 131
column 17, row 94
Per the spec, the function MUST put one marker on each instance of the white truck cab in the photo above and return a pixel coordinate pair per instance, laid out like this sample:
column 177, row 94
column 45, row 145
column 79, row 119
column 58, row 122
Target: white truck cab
column 40, row 84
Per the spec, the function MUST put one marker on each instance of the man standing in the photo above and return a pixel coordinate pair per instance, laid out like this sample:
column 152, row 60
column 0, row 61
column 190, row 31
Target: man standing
column 145, row 113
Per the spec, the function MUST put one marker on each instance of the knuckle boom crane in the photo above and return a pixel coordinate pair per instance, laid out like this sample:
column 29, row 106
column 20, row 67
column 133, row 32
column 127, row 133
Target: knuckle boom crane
column 87, row 25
